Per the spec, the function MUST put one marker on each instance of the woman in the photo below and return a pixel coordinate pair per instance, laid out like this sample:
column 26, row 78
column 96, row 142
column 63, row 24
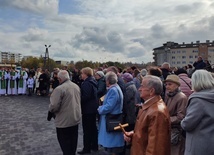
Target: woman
column 176, row 102
column 199, row 120
column 89, row 105
column 113, row 142
column 132, row 97
column 185, row 81
column 101, row 84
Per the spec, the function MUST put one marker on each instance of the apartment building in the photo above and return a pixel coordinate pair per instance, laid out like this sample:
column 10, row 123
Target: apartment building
column 179, row 55
column 8, row 57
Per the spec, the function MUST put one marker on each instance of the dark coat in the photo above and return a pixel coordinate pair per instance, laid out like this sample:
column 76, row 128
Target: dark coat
column 43, row 81
column 101, row 84
column 89, row 101
column 131, row 100
column 199, row 65
column 165, row 73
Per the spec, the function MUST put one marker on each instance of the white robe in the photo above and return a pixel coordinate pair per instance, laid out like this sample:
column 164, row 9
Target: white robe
column 12, row 91
column 37, row 79
column 22, row 90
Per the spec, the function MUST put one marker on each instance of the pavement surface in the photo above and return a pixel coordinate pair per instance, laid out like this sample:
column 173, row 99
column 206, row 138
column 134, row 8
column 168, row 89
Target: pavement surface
column 24, row 129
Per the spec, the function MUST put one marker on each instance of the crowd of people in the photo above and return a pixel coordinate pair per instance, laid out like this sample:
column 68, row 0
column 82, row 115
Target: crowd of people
column 169, row 110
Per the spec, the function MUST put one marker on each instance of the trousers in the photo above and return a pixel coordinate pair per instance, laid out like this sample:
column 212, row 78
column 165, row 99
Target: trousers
column 67, row 138
column 90, row 133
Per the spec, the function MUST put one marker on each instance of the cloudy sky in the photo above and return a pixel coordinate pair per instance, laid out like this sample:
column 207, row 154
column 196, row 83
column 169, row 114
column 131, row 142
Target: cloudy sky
column 102, row 30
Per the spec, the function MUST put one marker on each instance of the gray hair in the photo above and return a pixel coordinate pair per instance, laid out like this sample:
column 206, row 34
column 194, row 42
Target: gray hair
column 165, row 65
column 202, row 79
column 63, row 75
column 111, row 77
column 154, row 82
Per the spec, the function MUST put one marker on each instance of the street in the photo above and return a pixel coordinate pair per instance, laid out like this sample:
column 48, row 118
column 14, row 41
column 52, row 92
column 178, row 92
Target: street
column 24, row 129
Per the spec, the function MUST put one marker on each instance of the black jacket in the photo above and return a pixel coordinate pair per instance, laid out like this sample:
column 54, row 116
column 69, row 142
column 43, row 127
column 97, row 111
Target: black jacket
column 89, row 101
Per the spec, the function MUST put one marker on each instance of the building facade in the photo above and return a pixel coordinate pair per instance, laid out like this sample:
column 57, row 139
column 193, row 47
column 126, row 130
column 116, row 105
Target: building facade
column 179, row 55
column 8, row 57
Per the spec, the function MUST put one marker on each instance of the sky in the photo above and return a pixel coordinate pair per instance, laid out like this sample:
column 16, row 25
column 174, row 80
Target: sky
column 102, row 30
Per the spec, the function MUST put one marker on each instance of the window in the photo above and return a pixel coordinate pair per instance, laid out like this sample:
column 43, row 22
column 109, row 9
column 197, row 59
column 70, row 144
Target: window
column 178, row 51
column 190, row 56
column 178, row 62
column 183, row 51
column 173, row 57
column 183, row 62
column 183, row 57
column 211, row 50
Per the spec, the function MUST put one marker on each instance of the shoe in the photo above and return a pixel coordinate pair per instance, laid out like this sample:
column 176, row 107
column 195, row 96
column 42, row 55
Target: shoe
column 83, row 152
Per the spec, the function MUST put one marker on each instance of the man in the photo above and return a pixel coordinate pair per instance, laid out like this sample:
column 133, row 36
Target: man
column 65, row 104
column 152, row 129
column 199, row 64
column 165, row 68
column 22, row 85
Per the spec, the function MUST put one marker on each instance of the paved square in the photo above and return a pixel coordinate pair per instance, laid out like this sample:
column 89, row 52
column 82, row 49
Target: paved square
column 24, row 129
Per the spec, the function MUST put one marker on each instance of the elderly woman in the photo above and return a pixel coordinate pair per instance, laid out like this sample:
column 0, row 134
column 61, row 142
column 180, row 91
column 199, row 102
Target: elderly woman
column 176, row 102
column 199, row 120
column 185, row 81
column 132, row 96
column 113, row 142
column 89, row 105
column 101, row 83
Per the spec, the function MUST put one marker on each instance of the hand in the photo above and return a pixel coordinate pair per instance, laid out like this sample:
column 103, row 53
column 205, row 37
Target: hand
column 138, row 105
column 128, row 136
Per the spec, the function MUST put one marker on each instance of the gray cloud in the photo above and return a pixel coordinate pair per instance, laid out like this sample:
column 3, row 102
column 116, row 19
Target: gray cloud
column 136, row 52
column 46, row 8
column 35, row 35
column 127, row 30
column 189, row 8
column 103, row 39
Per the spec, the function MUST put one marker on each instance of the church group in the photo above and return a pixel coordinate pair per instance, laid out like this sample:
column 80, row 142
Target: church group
column 169, row 111
column 13, row 82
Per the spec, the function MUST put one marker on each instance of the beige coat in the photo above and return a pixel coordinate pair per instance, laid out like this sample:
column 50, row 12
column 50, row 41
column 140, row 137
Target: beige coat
column 152, row 129
column 65, row 103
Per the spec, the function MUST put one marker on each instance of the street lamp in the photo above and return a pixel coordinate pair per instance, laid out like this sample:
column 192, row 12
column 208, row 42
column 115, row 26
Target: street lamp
column 46, row 56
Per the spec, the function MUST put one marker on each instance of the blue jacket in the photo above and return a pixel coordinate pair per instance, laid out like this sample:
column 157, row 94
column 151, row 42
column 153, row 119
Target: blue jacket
column 113, row 103
column 89, row 102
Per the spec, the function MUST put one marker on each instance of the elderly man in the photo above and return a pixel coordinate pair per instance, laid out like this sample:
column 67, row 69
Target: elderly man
column 65, row 104
column 151, row 134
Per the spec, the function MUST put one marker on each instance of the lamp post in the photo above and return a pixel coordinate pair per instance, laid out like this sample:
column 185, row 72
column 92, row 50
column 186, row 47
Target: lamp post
column 47, row 56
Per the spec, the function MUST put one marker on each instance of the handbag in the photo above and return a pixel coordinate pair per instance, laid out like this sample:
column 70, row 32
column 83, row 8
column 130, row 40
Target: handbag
column 175, row 136
column 113, row 120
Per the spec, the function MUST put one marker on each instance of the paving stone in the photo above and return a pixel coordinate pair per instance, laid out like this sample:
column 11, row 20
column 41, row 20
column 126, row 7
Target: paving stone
column 24, row 129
